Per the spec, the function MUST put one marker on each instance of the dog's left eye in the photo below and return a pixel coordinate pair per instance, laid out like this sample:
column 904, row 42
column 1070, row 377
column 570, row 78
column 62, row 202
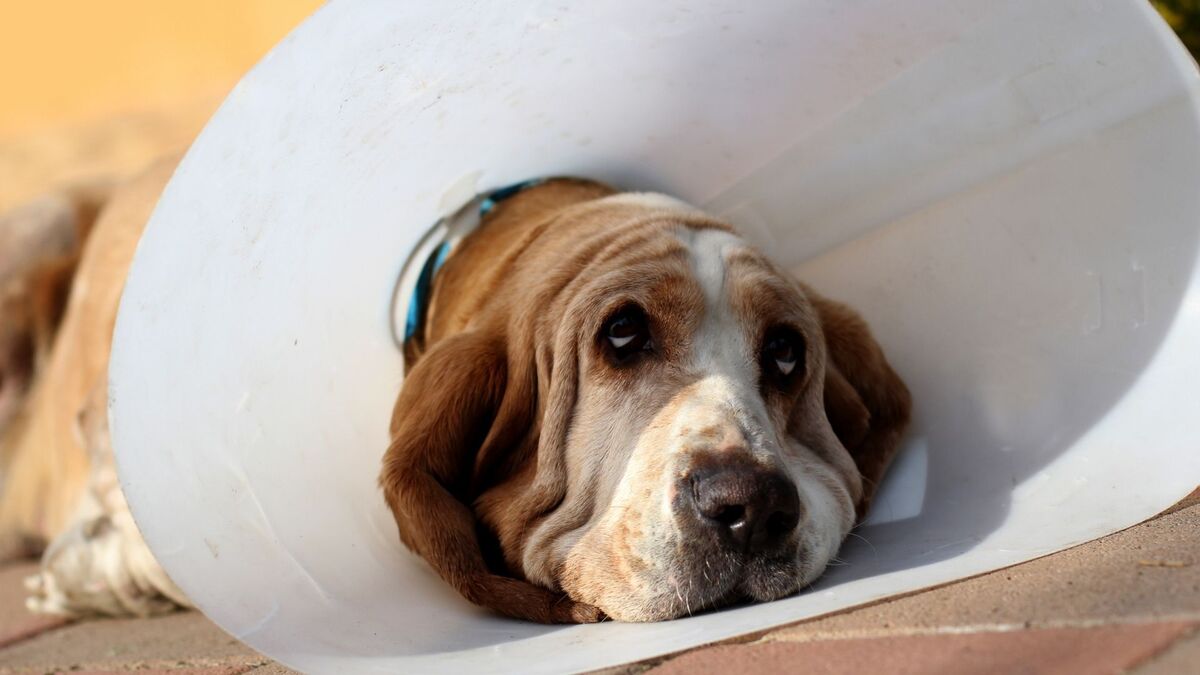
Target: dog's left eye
column 782, row 352
column 627, row 333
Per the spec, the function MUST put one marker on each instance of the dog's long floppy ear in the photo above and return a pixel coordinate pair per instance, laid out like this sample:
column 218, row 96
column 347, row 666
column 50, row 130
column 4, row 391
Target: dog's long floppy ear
column 451, row 406
column 866, row 402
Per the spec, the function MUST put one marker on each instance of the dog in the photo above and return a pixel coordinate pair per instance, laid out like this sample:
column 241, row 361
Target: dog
column 616, row 407
column 613, row 407
column 70, row 253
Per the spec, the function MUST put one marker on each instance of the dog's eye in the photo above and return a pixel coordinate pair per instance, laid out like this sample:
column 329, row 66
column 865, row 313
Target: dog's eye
column 782, row 353
column 627, row 333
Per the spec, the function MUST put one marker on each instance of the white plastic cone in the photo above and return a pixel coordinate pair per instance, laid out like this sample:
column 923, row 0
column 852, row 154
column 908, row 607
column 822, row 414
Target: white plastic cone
column 1009, row 191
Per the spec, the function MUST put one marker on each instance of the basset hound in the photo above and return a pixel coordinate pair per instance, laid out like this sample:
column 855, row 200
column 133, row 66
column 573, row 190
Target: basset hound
column 58, row 481
column 615, row 406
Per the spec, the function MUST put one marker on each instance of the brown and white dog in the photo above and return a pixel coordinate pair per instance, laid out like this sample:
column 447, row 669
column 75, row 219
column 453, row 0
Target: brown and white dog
column 58, row 490
column 616, row 406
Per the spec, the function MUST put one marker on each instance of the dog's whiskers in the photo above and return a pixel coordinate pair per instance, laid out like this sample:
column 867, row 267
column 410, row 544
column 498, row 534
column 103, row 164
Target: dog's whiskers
column 865, row 541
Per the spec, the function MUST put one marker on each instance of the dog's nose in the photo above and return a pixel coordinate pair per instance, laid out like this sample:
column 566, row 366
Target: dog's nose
column 751, row 508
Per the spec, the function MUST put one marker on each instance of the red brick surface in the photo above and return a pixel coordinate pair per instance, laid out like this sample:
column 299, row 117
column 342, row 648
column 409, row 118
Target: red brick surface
column 1052, row 651
column 16, row 623
column 1181, row 658
column 179, row 642
column 1126, row 603
column 214, row 670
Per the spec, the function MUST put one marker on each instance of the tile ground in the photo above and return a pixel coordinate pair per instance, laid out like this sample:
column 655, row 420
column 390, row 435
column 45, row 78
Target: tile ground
column 1180, row 658
column 16, row 624
column 180, row 642
column 1150, row 572
column 1048, row 651
column 1129, row 602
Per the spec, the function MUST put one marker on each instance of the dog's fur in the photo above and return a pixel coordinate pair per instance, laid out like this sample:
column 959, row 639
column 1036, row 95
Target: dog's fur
column 547, row 482
column 523, row 467
column 58, row 480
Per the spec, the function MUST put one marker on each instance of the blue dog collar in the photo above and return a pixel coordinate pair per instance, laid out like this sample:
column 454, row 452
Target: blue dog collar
column 447, row 231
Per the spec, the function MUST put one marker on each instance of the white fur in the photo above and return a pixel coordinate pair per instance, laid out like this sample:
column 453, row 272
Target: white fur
column 101, row 564
column 652, row 200
column 722, row 351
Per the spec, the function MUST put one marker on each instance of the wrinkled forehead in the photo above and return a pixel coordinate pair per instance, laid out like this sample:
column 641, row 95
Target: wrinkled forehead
column 743, row 291
column 735, row 275
column 738, row 278
column 693, row 272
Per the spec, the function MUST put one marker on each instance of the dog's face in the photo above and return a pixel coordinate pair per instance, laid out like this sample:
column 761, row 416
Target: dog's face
column 700, row 465
column 677, row 453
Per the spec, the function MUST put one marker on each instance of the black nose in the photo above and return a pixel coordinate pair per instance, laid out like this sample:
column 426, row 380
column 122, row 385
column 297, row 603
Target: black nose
column 752, row 509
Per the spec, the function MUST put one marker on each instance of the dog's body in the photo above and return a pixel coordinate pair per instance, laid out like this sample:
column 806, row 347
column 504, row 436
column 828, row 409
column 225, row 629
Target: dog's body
column 58, row 478
column 617, row 406
column 526, row 463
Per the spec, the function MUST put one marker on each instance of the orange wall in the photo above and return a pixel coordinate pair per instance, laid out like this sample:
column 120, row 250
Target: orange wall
column 64, row 61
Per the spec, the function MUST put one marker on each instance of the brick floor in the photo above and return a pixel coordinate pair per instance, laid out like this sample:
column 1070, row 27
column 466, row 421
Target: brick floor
column 143, row 670
column 180, row 642
column 1146, row 573
column 1181, row 658
column 16, row 623
column 1127, row 601
column 1048, row 651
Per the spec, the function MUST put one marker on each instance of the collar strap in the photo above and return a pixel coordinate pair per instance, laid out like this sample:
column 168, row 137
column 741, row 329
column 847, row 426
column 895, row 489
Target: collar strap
column 454, row 227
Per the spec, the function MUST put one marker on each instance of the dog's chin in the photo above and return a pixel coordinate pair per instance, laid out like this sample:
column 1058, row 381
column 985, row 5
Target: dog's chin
column 771, row 579
column 721, row 581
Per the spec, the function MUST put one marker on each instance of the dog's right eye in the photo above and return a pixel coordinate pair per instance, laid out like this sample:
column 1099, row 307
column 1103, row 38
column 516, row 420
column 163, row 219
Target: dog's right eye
column 627, row 333
column 782, row 355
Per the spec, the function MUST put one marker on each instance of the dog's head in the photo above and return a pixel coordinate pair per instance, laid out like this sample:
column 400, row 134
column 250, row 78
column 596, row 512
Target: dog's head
column 645, row 413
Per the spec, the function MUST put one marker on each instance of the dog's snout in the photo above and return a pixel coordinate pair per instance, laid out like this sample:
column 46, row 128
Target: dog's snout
column 750, row 508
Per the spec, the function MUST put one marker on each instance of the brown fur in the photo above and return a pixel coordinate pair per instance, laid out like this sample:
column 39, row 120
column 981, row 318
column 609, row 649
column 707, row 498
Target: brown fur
column 45, row 466
column 475, row 461
column 40, row 245
column 484, row 406
column 866, row 401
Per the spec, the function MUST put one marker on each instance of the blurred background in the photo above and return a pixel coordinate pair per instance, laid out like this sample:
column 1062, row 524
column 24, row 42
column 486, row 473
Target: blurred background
column 101, row 88
column 69, row 60
column 1184, row 17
